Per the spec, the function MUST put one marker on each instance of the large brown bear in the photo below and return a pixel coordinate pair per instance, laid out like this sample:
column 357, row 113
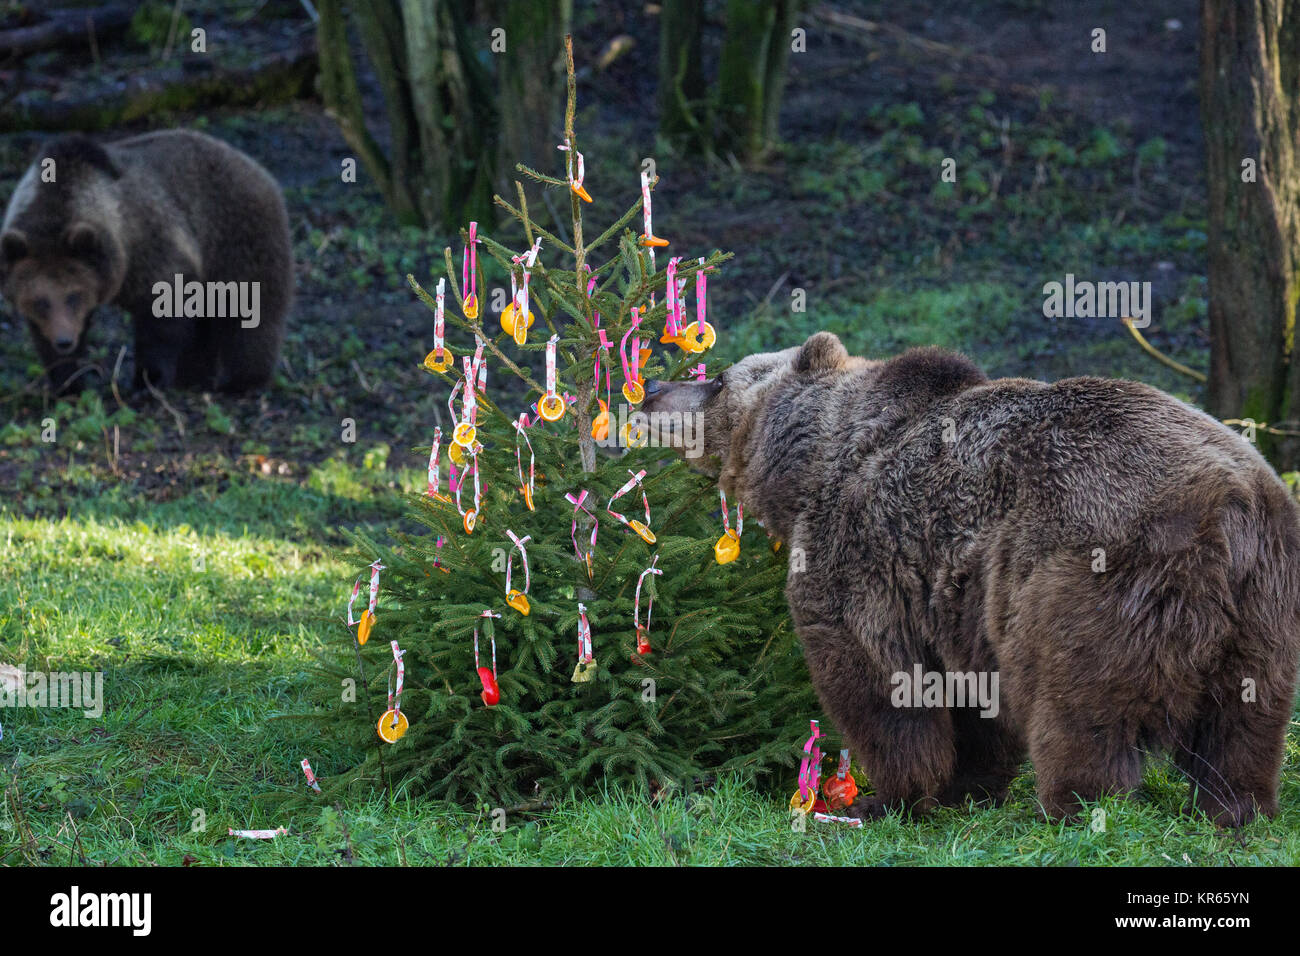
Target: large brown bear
column 187, row 234
column 1126, row 565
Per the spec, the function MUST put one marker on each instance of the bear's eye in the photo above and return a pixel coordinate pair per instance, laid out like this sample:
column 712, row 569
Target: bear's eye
column 74, row 300
column 41, row 307
column 718, row 384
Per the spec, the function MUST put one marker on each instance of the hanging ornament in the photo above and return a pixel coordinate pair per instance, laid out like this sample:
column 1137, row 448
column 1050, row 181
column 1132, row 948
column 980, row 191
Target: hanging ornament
column 643, row 530
column 727, row 548
column 393, row 725
column 469, row 518
column 311, row 777
column 469, row 274
column 518, row 599
column 699, row 372
column 648, row 238
column 573, row 529
column 633, row 390
column 525, row 487
column 841, row 790
column 435, row 468
column 586, row 667
column 575, row 178
column 805, row 798
column 519, row 303
column 699, row 336
column 491, row 692
column 551, row 407
column 475, row 369
column 672, row 301
column 643, row 633
column 367, row 620
column 600, row 424
column 440, row 359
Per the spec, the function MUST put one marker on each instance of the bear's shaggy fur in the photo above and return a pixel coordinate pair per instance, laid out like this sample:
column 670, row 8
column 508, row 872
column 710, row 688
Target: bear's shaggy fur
column 1128, row 566
column 118, row 219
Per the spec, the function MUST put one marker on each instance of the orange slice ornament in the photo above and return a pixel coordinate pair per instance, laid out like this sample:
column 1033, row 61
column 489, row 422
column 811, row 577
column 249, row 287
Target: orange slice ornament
column 436, row 364
column 600, row 424
column 364, row 627
column 393, row 726
column 727, row 548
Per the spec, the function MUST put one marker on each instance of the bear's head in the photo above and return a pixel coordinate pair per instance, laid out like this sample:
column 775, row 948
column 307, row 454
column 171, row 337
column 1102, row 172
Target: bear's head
column 54, row 284
column 725, row 407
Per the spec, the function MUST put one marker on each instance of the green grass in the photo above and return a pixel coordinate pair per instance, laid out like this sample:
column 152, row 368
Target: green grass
column 203, row 625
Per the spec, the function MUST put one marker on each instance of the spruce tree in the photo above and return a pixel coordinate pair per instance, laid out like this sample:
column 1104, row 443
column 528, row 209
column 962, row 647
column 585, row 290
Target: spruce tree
column 692, row 667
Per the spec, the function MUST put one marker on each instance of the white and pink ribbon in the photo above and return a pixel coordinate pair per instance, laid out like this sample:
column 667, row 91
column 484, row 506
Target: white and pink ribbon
column 632, row 367
column 551, row 347
column 650, row 603
column 259, row 834
column 633, row 482
column 523, row 554
column 673, row 300
column 740, row 515
column 435, row 467
column 375, row 568
column 574, row 159
column 311, row 777
column 473, row 467
column 810, row 765
column 439, row 321
column 469, row 264
column 518, row 295
column 577, row 501
column 584, row 636
column 395, row 696
column 494, row 645
column 520, row 425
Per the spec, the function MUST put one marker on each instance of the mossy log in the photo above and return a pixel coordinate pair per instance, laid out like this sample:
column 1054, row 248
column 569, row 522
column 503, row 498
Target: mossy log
column 195, row 84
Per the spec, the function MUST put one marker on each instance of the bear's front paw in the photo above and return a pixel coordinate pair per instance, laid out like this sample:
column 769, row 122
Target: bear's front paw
column 865, row 808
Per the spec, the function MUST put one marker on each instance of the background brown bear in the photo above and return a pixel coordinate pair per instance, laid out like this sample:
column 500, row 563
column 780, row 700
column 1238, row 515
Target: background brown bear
column 1127, row 565
column 91, row 224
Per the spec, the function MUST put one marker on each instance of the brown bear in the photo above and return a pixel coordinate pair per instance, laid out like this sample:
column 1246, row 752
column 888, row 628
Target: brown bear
column 1124, row 567
column 188, row 235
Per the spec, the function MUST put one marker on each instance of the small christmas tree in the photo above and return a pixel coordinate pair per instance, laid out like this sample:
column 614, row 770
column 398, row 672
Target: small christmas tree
column 564, row 619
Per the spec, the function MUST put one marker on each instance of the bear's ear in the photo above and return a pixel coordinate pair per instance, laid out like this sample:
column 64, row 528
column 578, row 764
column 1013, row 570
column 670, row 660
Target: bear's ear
column 81, row 239
column 823, row 352
column 13, row 246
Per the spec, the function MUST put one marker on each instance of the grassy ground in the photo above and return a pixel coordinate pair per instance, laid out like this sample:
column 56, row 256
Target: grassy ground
column 188, row 551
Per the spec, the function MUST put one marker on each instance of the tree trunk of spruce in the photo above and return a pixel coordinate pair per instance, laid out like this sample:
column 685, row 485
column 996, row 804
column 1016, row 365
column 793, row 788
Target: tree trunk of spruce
column 1250, row 106
column 751, row 76
column 683, row 114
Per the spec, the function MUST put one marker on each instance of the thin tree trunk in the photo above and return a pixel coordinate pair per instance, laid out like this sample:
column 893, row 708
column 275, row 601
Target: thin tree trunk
column 742, row 74
column 1250, row 107
column 682, row 94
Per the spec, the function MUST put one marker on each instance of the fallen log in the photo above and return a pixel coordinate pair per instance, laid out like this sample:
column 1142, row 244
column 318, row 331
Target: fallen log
column 64, row 28
column 280, row 77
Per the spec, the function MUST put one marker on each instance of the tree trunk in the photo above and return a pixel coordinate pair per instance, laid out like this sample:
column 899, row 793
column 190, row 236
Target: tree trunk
column 438, row 100
column 1250, row 108
column 683, row 119
column 530, row 82
column 751, row 76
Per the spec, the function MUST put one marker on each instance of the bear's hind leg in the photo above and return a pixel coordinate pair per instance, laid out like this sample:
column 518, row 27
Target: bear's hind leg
column 1232, row 753
column 907, row 752
column 1080, row 757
